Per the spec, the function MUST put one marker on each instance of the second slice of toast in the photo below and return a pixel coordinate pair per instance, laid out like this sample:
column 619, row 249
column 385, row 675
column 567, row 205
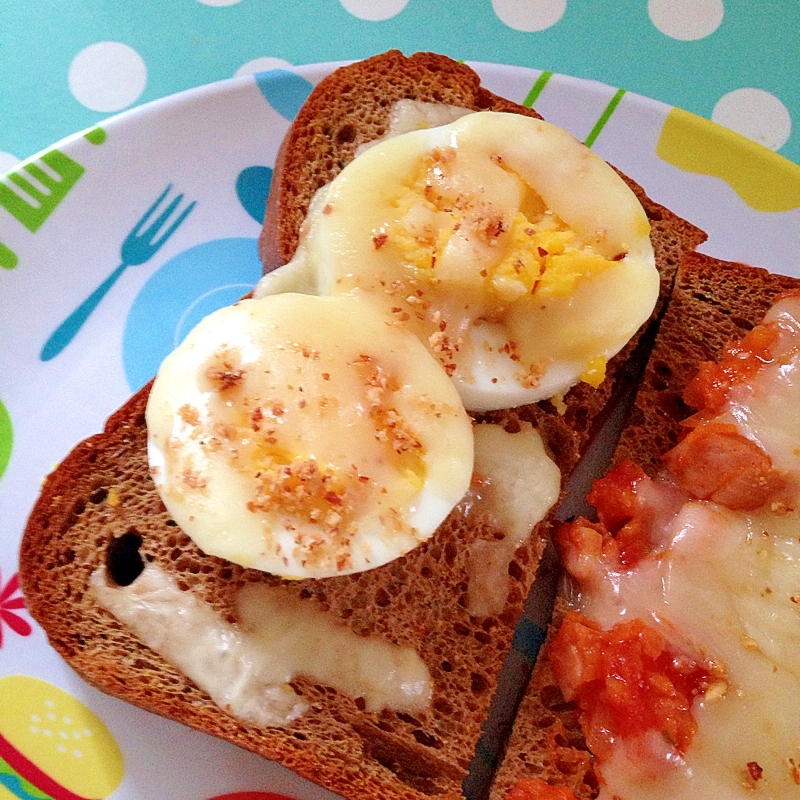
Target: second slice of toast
column 714, row 302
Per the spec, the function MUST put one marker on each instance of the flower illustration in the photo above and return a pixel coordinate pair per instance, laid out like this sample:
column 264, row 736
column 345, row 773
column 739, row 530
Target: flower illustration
column 9, row 604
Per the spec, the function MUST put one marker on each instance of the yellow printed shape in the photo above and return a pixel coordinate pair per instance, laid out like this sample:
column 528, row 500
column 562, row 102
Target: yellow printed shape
column 60, row 735
column 763, row 179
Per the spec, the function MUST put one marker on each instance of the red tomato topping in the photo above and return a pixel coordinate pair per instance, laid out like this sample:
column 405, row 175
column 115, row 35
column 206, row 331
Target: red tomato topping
column 632, row 511
column 708, row 391
column 537, row 789
column 615, row 496
column 628, row 681
column 715, row 462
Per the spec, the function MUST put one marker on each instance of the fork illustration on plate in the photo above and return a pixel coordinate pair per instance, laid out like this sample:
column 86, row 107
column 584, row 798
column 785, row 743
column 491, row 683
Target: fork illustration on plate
column 139, row 246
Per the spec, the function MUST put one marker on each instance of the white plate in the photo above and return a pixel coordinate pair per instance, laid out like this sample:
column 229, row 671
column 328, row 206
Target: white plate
column 216, row 145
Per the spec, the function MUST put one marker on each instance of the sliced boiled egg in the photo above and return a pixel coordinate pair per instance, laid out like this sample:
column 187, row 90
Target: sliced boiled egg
column 519, row 257
column 306, row 436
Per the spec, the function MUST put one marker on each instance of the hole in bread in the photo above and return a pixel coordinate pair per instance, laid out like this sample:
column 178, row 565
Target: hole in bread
column 447, row 666
column 662, row 369
column 744, row 324
column 580, row 418
column 443, row 706
column 123, row 560
column 553, row 699
column 382, row 598
column 515, row 571
column 98, row 496
column 347, row 133
column 426, row 739
column 659, row 384
column 478, row 683
column 673, row 405
column 424, row 773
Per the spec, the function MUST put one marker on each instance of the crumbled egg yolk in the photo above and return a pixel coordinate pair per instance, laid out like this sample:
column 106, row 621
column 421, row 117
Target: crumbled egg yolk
column 537, row 254
column 518, row 256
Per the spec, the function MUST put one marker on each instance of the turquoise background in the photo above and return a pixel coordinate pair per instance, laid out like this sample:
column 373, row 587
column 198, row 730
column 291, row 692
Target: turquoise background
column 186, row 44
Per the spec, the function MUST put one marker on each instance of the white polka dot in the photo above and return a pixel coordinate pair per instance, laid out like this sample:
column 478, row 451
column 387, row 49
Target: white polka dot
column 374, row 10
column 529, row 15
column 262, row 65
column 61, row 748
column 77, row 753
column 107, row 76
column 219, row 3
column 686, row 20
column 757, row 114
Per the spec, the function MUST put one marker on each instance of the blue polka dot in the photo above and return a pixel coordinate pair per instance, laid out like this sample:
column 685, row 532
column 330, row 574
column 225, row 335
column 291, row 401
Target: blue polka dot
column 187, row 288
column 252, row 189
column 283, row 90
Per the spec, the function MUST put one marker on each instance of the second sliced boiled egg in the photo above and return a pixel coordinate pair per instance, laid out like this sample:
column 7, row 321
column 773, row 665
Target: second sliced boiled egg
column 516, row 255
column 306, row 436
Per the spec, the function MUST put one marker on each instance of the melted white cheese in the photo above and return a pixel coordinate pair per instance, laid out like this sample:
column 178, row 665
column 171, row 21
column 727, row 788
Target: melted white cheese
column 246, row 668
column 518, row 485
column 768, row 412
column 727, row 585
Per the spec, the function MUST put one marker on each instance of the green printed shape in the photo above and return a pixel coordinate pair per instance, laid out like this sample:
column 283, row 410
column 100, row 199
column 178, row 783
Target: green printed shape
column 42, row 204
column 95, row 136
column 17, row 785
column 6, row 438
column 604, row 118
column 763, row 179
column 536, row 89
column 8, row 258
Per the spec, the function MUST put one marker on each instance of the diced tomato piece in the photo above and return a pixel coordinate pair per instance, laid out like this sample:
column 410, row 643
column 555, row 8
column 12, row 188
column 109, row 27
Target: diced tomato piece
column 614, row 496
column 628, row 681
column 715, row 462
column 537, row 789
column 708, row 391
column 630, row 507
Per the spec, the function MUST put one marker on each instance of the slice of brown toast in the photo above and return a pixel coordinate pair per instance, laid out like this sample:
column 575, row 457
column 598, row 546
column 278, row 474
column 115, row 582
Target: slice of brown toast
column 713, row 302
column 101, row 507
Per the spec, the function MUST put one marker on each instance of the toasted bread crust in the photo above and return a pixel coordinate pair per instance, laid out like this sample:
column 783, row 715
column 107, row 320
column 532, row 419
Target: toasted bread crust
column 103, row 490
column 713, row 302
